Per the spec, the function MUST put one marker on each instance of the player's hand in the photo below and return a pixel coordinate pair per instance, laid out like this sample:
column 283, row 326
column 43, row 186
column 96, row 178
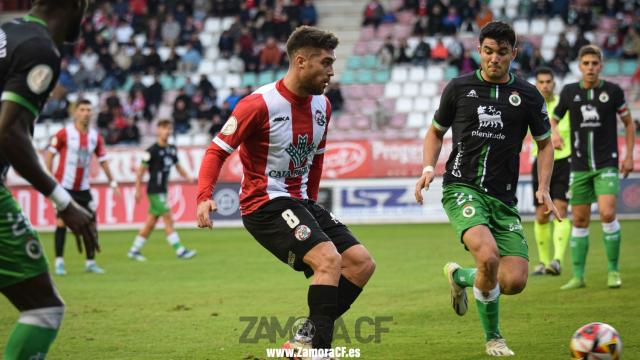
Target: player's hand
column 423, row 183
column 137, row 195
column 545, row 199
column 83, row 225
column 627, row 166
column 204, row 209
column 557, row 141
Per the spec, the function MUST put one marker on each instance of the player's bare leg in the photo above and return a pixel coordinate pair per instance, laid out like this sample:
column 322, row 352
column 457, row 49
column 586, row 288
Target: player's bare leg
column 579, row 245
column 41, row 311
column 141, row 238
column 174, row 240
column 611, row 237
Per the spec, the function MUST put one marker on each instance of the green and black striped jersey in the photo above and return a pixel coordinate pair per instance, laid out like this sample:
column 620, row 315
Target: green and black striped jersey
column 593, row 116
column 489, row 122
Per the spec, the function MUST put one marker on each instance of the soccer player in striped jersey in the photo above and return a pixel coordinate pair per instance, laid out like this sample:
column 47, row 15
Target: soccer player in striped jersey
column 594, row 106
column 29, row 68
column 558, row 189
column 281, row 130
column 76, row 143
column 158, row 160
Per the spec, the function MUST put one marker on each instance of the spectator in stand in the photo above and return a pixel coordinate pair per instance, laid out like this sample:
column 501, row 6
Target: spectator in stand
column 180, row 14
column 308, row 13
column 123, row 33
column 559, row 66
column 233, row 99
column 112, row 101
column 539, row 8
column 612, row 46
column 281, row 23
column 563, row 48
column 181, row 117
column 466, row 63
column 195, row 42
column 581, row 41
column 451, row 23
column 334, row 94
column 469, row 12
column 190, row 60
column 226, row 44
column 122, row 60
column 137, row 61
column 421, row 26
column 206, row 87
column 220, row 115
column 402, row 55
column 130, row 134
column 387, row 52
column 170, row 31
column 456, row 49
column 171, row 64
column 537, row 60
column 153, row 97
column 184, row 97
column 581, row 16
column 137, row 105
column 422, row 53
column 439, row 52
column 89, row 59
column 154, row 38
column 270, row 55
column 216, row 125
column 104, row 119
column 631, row 44
column 484, row 16
column 373, row 14
column 188, row 30
column 152, row 62
column 434, row 24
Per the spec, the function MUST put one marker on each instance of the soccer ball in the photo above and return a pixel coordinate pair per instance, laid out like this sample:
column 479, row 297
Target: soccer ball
column 596, row 341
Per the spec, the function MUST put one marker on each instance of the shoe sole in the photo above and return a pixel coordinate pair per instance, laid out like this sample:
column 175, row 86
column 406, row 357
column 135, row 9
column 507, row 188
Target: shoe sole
column 461, row 305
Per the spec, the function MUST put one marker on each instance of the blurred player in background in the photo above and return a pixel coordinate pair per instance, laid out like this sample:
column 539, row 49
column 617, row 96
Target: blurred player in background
column 282, row 130
column 29, row 69
column 559, row 185
column 489, row 111
column 75, row 144
column 158, row 159
column 594, row 106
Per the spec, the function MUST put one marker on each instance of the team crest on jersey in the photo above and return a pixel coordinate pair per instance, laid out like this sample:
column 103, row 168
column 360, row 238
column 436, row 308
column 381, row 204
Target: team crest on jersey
column 230, row 126
column 300, row 153
column 514, row 99
column 468, row 211
column 604, row 97
column 490, row 117
column 320, row 118
column 33, row 248
column 302, row 232
column 590, row 116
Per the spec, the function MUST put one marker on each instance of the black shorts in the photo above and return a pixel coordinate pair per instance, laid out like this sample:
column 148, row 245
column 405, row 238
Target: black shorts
column 559, row 180
column 289, row 228
column 84, row 199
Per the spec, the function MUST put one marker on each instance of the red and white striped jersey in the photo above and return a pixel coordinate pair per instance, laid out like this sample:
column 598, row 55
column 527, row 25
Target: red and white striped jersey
column 75, row 149
column 283, row 139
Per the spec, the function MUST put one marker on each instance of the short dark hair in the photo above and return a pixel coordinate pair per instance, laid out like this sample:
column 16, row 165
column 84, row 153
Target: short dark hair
column 164, row 123
column 543, row 70
column 500, row 32
column 590, row 50
column 309, row 36
column 83, row 101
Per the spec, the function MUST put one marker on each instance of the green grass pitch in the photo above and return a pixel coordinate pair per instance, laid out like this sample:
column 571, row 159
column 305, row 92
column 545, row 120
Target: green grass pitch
column 172, row 309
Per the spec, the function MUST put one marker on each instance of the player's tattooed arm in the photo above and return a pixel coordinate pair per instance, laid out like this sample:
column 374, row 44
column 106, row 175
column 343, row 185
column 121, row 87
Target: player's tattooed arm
column 16, row 145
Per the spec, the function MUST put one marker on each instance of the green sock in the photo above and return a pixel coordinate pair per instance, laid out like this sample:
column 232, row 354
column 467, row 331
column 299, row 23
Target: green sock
column 612, row 246
column 579, row 250
column 29, row 342
column 489, row 317
column 465, row 276
column 561, row 234
column 542, row 232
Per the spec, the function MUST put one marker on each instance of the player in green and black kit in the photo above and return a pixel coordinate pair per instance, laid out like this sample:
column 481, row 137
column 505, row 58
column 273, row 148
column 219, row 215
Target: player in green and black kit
column 593, row 106
column 159, row 159
column 29, row 68
column 489, row 112
column 558, row 189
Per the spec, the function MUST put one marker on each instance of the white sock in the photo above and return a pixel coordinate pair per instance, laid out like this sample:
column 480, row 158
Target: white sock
column 90, row 263
column 138, row 243
column 611, row 227
column 493, row 294
column 174, row 240
column 59, row 261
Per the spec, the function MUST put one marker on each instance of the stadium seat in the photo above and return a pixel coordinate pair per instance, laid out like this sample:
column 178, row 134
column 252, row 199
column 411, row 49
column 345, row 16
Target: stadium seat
column 343, row 122
column 212, row 53
column 367, row 33
column 374, row 90
column 435, row 73
column 364, row 76
column 361, row 122
column 182, row 140
column 451, row 72
column 164, row 53
column 249, row 79
column 538, row 27
column 399, row 74
column 222, row 66
column 352, row 106
column 410, row 89
column 354, row 62
column 280, row 74
column 361, row 48
column 207, row 40
column 233, row 81
column 555, row 26
column 179, row 82
column 611, row 68
column 521, row 26
column 265, row 77
column 498, row 4
column 53, row 128
column 547, row 54
column 428, row 89
column 167, row 82
column 140, row 40
column 355, row 91
column 422, row 104
column 392, row 90
column 213, row 25
column 511, row 12
column 369, row 61
column 147, row 80
column 417, row 73
column 549, row 41
column 201, row 139
column 206, row 67
column 348, row 77
column 398, row 121
column 629, row 67
column 381, row 76
column 40, row 131
column 226, row 22
column 215, row 79
column 416, row 120
column 404, row 105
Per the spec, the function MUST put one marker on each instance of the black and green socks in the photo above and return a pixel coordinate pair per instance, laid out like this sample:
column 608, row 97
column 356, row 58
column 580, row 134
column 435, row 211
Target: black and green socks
column 34, row 333
column 612, row 236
